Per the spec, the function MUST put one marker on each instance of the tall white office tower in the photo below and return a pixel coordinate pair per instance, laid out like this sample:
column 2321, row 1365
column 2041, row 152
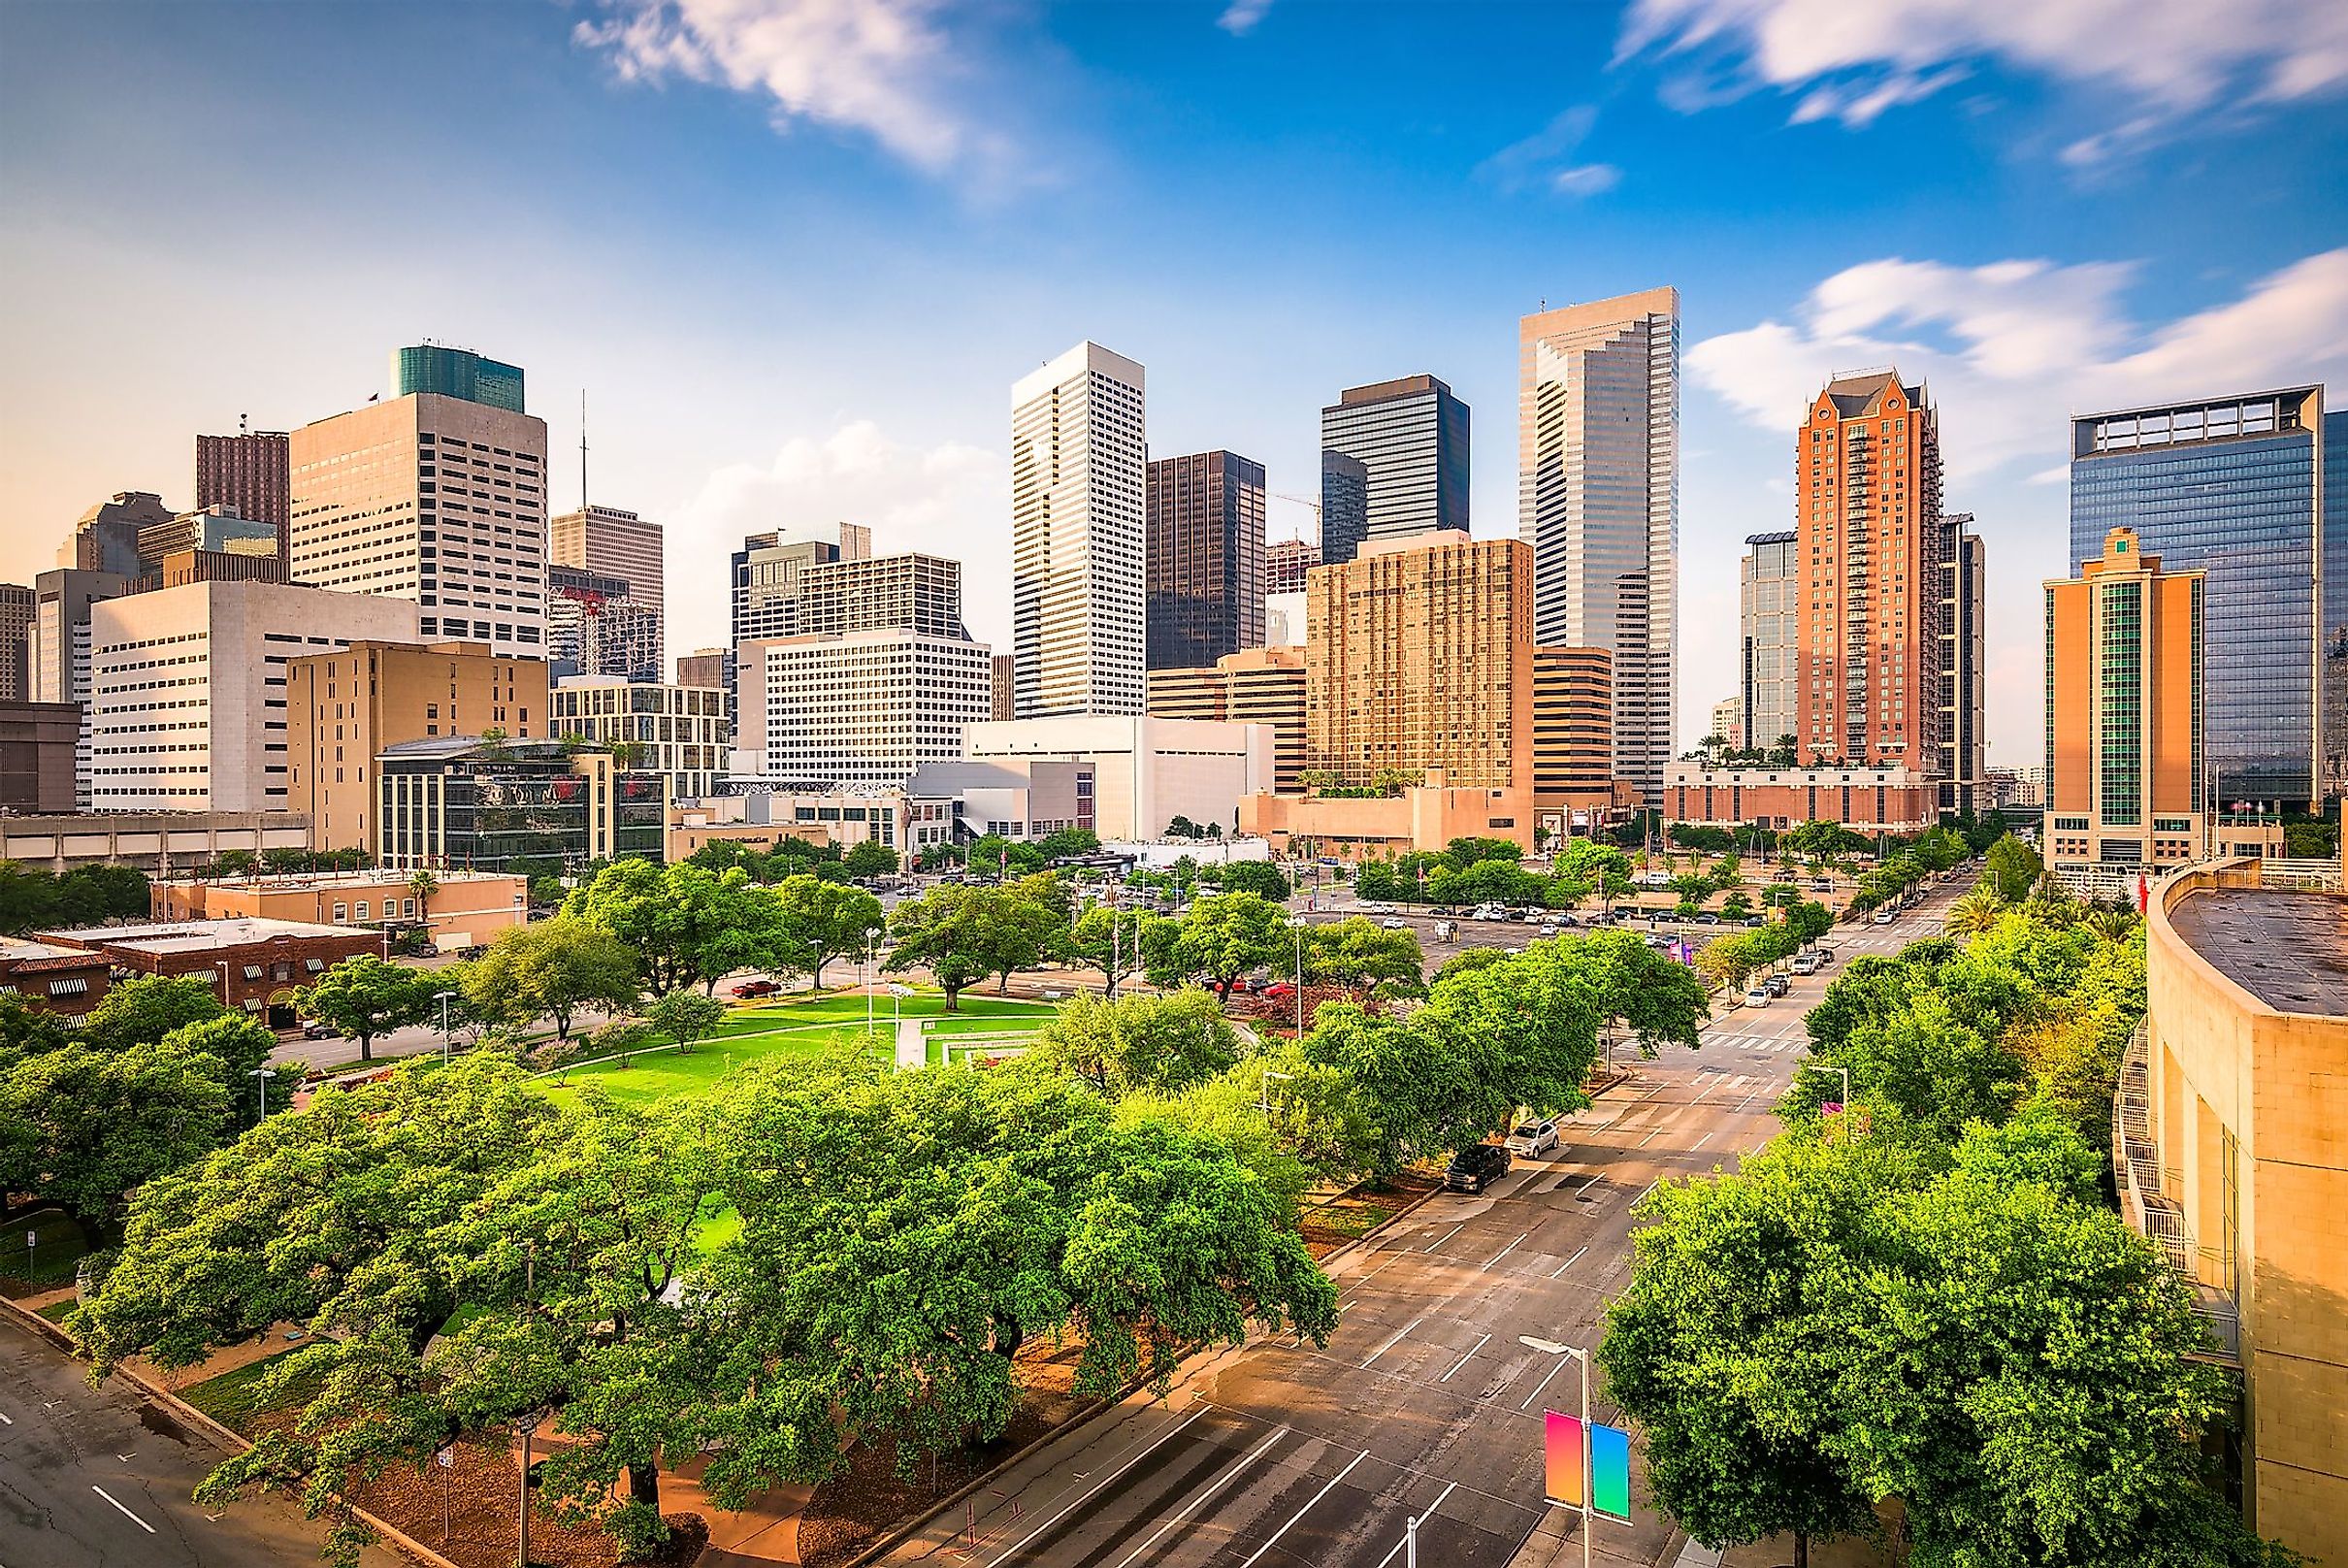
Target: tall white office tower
column 1079, row 534
column 1598, row 499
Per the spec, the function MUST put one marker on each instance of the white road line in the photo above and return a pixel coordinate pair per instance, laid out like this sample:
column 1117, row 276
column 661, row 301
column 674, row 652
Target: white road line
column 1649, row 1188
column 119, row 1509
column 1396, row 1340
column 1216, row 1487
column 5, row 1421
column 1569, row 1263
column 1091, row 1490
column 1406, row 1539
column 1307, row 1508
column 1464, row 1360
column 1505, row 1250
column 1447, row 1236
column 1561, row 1361
column 1371, row 1275
column 1743, row 1079
column 1700, row 1143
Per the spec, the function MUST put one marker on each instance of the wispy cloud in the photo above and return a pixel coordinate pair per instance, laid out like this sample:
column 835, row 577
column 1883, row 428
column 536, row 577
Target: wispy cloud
column 1852, row 63
column 1240, row 16
column 889, row 69
column 2014, row 347
column 1544, row 160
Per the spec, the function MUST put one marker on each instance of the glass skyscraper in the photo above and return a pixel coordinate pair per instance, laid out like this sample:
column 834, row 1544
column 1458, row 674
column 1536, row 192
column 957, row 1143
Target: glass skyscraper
column 2235, row 487
column 456, row 373
column 1411, row 437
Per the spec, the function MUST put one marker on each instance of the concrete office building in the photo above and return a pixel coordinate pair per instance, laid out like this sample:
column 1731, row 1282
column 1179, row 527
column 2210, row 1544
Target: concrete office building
column 1418, row 817
column 1205, row 558
column 456, row 373
column 1019, row 797
column 703, row 666
column 1728, row 723
column 2125, row 695
column 614, row 543
column 251, row 473
column 1253, row 686
column 1411, row 437
column 1964, row 664
column 1147, row 771
column 1422, row 659
column 860, row 708
column 1891, row 798
column 1003, row 687
column 1079, row 538
column 1768, row 595
column 348, row 705
column 106, row 538
column 677, row 731
column 58, row 654
column 188, row 689
column 435, row 498
column 1572, row 737
column 1866, row 486
column 2230, row 1151
column 904, row 820
column 15, row 643
column 2236, row 487
column 792, row 587
column 37, row 745
column 160, row 842
column 1345, row 509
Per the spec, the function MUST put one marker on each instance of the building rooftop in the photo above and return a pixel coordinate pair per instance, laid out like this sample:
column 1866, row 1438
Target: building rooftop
column 2290, row 950
column 196, row 935
column 18, row 950
column 302, row 881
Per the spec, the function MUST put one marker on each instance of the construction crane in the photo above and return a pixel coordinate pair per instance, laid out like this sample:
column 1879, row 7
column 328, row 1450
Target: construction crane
column 1312, row 504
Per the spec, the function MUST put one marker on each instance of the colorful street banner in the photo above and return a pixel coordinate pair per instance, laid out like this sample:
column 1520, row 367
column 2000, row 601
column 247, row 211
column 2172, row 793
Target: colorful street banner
column 1611, row 1471
column 1561, row 1456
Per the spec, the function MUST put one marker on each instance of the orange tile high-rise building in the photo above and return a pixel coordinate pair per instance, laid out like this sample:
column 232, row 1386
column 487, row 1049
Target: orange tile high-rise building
column 1866, row 487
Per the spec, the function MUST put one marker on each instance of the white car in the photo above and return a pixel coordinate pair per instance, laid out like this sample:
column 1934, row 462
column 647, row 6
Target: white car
column 1391, row 924
column 1757, row 997
column 1531, row 1139
column 1549, row 930
column 1885, row 917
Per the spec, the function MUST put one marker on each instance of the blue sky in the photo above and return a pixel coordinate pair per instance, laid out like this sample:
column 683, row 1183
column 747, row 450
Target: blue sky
column 797, row 251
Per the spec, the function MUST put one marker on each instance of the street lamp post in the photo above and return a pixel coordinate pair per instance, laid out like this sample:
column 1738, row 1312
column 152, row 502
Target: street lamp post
column 1298, row 926
column 1551, row 1347
column 443, row 998
column 262, row 1076
column 868, row 932
column 527, row 1426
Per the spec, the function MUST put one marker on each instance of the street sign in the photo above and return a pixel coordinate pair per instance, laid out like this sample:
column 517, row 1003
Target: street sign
column 446, row 1458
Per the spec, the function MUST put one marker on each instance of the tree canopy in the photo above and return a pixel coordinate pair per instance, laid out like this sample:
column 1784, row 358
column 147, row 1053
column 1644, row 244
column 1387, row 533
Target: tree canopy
column 363, row 999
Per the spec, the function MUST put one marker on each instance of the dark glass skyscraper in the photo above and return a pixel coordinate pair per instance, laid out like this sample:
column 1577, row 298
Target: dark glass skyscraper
column 1412, row 436
column 1204, row 558
column 456, row 373
column 2235, row 487
column 1345, row 506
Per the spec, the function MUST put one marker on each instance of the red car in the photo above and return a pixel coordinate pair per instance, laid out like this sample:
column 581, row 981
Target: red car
column 1278, row 991
column 758, row 988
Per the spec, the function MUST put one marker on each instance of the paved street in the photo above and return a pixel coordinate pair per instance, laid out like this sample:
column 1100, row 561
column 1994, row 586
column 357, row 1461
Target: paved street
column 1423, row 1402
column 100, row 1478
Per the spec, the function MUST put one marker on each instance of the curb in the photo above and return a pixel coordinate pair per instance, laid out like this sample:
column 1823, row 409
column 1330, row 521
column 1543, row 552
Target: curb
column 882, row 1545
column 219, row 1436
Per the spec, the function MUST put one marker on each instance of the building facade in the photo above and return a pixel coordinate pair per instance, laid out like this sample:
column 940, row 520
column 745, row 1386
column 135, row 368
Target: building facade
column 615, row 543
column 1866, row 486
column 435, row 498
column 2124, row 699
column 38, row 741
column 2231, row 1153
column 461, row 909
column 1419, row 817
column 1002, row 687
column 1598, row 499
column 218, row 529
column 703, row 667
column 1769, row 596
column 106, row 538
column 861, row 709
column 189, row 705
column 456, row 373
column 1728, row 723
column 17, row 602
column 1411, row 437
column 160, row 842
column 1886, row 799
column 1345, row 509
column 2235, row 487
column 1286, row 563
column 255, row 966
column 1205, row 558
column 595, row 626
column 677, row 731
column 57, row 655
column 68, row 981
column 1573, row 735
column 904, row 820
column 1016, row 797
column 1146, row 772
column 1422, row 657
column 1253, row 686
column 463, row 803
column 1079, row 535
column 249, row 471
column 1964, row 664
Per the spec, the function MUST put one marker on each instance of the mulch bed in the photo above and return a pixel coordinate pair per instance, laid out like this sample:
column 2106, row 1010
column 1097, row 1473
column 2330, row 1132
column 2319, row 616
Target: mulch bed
column 1405, row 1190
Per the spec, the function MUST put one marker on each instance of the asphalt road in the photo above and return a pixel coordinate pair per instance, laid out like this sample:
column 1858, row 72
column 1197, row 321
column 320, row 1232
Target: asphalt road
column 1424, row 1402
column 100, row 1478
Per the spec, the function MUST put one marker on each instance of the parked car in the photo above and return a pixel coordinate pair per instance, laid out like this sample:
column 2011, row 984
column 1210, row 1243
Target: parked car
column 1533, row 1139
column 1278, row 991
column 1550, row 928
column 1757, row 997
column 1780, row 984
column 1822, row 885
column 1885, row 917
column 1476, row 1168
column 1806, row 964
column 1390, row 922
column 1708, row 920
column 312, row 1030
column 758, row 988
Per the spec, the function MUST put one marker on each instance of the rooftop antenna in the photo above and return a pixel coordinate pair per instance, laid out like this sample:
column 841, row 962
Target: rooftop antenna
column 582, row 449
column 242, row 421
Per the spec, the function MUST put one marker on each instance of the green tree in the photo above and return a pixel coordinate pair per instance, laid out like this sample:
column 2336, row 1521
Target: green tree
column 241, row 1045
column 2011, row 868
column 825, row 921
column 1164, row 1044
column 82, row 1128
column 1068, row 843
column 28, row 1027
column 1259, row 877
column 868, row 860
column 1416, row 1098
column 552, row 969
column 363, row 998
column 684, row 1017
column 963, row 935
column 1974, row 912
column 1359, row 953
column 1114, row 941
column 145, row 1009
column 1223, row 937
column 686, row 924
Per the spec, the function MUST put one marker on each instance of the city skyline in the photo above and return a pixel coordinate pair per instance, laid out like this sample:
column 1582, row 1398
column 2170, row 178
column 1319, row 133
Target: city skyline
column 2036, row 266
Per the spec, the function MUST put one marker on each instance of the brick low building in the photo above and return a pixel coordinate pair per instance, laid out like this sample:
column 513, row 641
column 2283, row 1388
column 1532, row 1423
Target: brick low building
column 463, row 909
column 67, row 980
column 255, row 965
column 1889, row 799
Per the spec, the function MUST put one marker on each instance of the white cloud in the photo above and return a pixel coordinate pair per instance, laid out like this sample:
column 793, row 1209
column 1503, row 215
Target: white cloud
column 1539, row 160
column 1853, row 62
column 946, row 499
column 886, row 68
column 1240, row 16
column 2013, row 347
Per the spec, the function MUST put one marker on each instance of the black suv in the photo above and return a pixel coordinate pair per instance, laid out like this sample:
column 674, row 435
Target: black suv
column 1476, row 1168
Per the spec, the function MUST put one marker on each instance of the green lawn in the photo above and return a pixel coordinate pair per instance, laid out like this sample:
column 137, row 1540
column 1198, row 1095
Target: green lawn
column 58, row 1245
column 231, row 1398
